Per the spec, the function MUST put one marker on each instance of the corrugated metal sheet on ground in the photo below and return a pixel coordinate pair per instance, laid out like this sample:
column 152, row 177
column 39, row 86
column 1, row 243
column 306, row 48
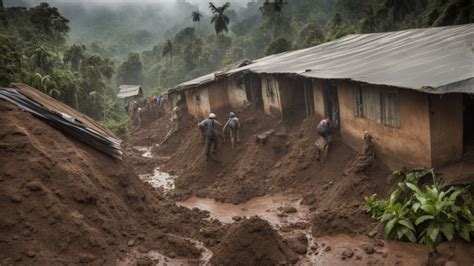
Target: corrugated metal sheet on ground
column 63, row 118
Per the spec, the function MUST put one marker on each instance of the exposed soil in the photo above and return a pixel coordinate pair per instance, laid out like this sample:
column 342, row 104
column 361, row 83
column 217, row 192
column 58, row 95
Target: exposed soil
column 63, row 202
column 253, row 242
column 271, row 158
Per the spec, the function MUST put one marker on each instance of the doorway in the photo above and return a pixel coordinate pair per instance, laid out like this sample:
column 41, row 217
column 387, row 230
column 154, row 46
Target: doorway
column 331, row 101
column 253, row 89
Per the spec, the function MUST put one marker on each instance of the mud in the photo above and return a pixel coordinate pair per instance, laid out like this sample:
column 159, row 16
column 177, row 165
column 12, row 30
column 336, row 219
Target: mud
column 63, row 202
column 159, row 179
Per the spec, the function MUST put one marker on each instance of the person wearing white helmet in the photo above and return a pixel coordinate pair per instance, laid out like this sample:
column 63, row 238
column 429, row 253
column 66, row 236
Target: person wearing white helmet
column 233, row 125
column 210, row 134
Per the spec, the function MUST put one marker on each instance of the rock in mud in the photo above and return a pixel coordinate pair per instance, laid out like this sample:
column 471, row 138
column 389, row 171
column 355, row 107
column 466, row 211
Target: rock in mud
column 347, row 253
column 299, row 243
column 131, row 243
column 368, row 249
column 289, row 209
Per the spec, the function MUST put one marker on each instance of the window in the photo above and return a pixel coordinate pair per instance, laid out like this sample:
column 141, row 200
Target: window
column 270, row 91
column 198, row 99
column 376, row 104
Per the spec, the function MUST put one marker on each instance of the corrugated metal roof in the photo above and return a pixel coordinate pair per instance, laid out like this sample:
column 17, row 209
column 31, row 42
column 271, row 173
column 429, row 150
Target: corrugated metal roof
column 212, row 76
column 128, row 91
column 434, row 60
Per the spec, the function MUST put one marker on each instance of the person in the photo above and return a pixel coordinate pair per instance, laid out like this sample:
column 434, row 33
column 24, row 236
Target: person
column 154, row 100
column 234, row 126
column 324, row 128
column 322, row 143
column 207, row 126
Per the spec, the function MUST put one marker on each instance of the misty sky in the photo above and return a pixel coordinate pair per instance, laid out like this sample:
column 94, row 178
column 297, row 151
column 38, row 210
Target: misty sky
column 203, row 4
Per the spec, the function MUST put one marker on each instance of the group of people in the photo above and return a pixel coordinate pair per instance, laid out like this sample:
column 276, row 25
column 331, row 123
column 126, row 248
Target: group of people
column 209, row 132
column 210, row 135
column 136, row 107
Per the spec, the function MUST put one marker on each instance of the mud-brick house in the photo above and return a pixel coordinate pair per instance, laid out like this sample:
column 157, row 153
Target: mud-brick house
column 412, row 90
column 217, row 92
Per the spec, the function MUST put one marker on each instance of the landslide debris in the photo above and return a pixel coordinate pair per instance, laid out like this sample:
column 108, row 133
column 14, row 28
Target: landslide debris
column 253, row 242
column 63, row 202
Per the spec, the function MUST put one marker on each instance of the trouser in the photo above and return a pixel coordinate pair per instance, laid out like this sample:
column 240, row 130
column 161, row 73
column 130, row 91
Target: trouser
column 234, row 136
column 211, row 144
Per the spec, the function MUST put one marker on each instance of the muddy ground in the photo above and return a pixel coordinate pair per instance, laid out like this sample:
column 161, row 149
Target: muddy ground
column 281, row 180
column 63, row 202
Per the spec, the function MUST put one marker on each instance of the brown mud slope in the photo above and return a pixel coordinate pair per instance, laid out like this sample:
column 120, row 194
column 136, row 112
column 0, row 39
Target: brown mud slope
column 63, row 202
column 253, row 242
column 285, row 162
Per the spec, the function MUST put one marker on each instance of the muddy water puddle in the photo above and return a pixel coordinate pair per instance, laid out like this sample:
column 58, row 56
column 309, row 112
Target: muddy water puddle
column 331, row 250
column 160, row 259
column 270, row 208
column 146, row 151
column 159, row 179
column 344, row 250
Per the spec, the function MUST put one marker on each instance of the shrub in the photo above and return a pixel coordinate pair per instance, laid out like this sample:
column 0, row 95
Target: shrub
column 424, row 215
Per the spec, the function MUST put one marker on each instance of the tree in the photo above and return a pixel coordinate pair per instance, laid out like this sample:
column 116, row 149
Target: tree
column 271, row 11
column 41, row 57
column 130, row 71
column 168, row 50
column 3, row 17
column 367, row 22
column 74, row 56
column 280, row 45
column 49, row 21
column 196, row 15
column 219, row 18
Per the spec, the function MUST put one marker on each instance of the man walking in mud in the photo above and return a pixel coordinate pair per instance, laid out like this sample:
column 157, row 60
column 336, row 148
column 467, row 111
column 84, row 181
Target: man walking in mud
column 210, row 133
column 233, row 125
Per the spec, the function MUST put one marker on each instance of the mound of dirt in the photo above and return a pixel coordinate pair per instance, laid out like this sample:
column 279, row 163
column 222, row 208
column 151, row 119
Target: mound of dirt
column 63, row 202
column 253, row 242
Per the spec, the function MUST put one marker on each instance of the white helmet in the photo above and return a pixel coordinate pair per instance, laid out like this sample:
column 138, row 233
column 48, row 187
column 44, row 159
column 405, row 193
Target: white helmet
column 212, row 115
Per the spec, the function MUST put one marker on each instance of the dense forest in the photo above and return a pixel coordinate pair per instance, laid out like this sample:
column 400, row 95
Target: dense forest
column 79, row 54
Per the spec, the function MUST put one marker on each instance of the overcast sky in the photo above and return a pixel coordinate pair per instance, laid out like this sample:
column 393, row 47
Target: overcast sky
column 203, row 5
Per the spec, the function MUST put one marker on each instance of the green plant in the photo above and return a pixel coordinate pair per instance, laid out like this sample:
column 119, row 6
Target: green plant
column 425, row 215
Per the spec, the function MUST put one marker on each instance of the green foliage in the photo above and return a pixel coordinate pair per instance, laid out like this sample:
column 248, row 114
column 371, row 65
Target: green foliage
column 219, row 18
column 130, row 71
column 425, row 215
column 280, row 45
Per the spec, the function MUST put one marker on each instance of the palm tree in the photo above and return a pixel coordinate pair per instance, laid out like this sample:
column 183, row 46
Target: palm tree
column 168, row 49
column 43, row 83
column 219, row 19
column 74, row 56
column 42, row 58
column 196, row 15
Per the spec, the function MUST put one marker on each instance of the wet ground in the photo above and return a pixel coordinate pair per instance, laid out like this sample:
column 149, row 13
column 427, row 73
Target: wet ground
column 283, row 212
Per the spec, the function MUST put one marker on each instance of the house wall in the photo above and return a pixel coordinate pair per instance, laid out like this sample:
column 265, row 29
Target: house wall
column 446, row 117
column 219, row 99
column 198, row 109
column 236, row 94
column 271, row 105
column 409, row 145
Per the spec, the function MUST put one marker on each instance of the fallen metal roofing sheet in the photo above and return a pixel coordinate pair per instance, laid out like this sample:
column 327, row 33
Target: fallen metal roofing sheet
column 63, row 118
column 433, row 60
